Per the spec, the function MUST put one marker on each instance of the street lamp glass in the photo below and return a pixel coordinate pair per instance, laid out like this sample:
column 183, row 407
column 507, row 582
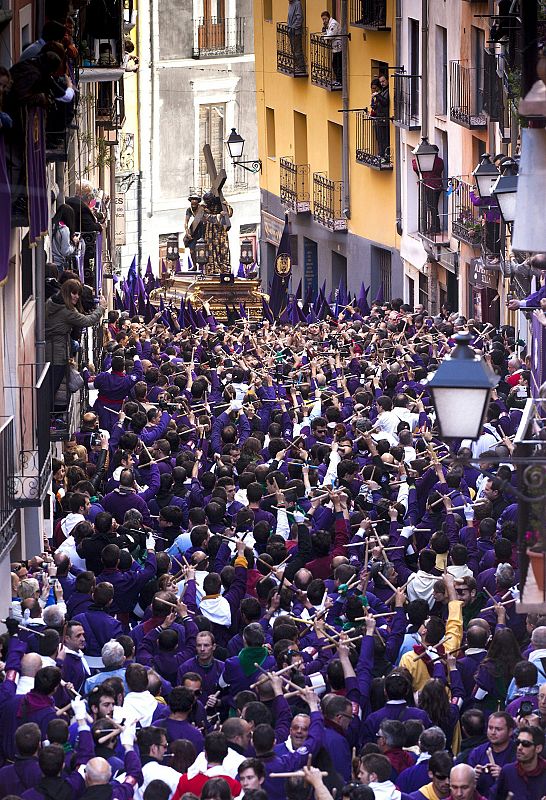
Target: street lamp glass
column 460, row 390
column 425, row 155
column 460, row 411
column 486, row 173
column 235, row 144
column 247, row 254
column 201, row 251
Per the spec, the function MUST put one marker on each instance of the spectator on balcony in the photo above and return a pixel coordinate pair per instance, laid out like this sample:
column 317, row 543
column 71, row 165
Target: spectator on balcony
column 63, row 312
column 64, row 239
column 432, row 187
column 53, row 31
column 5, row 84
column 380, row 104
column 81, row 203
column 331, row 30
column 294, row 23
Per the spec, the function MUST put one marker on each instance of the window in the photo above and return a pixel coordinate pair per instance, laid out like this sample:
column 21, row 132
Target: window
column 335, row 150
column 382, row 271
column 339, row 270
column 423, row 291
column 270, row 132
column 414, row 66
column 411, row 291
column 27, row 287
column 441, row 70
column 25, row 36
column 478, row 47
column 294, row 249
column 212, row 130
column 300, row 138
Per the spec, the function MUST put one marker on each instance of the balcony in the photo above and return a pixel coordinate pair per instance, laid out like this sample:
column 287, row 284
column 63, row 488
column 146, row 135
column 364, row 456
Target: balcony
column 295, row 186
column 432, row 219
column 325, row 62
column 406, row 101
column 214, row 37
column 101, row 41
column 291, row 52
column 110, row 106
column 373, row 141
column 32, row 400
column 466, row 222
column 327, row 205
column 369, row 14
column 465, row 97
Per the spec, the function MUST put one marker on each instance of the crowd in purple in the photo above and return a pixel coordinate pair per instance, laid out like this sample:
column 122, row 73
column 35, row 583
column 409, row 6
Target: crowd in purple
column 269, row 577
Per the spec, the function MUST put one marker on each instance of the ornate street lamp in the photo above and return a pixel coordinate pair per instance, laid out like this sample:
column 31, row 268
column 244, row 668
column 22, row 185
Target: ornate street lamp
column 425, row 155
column 201, row 252
column 247, row 252
column 460, row 390
column 486, row 173
column 235, row 145
column 172, row 247
column 505, row 188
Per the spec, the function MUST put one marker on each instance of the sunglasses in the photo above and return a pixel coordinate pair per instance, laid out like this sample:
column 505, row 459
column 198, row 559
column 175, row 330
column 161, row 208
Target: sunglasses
column 441, row 777
column 524, row 743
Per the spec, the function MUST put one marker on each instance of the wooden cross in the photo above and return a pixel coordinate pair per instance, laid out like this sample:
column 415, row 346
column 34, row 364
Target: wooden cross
column 218, row 178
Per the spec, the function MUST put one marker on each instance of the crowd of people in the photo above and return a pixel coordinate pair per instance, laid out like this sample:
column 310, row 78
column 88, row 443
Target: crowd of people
column 269, row 577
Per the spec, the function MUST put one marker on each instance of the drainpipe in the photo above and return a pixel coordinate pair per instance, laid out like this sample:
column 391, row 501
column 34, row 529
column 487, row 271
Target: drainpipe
column 346, row 210
column 397, row 141
column 424, row 68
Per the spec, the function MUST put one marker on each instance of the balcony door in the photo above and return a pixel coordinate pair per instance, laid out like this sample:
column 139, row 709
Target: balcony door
column 212, row 31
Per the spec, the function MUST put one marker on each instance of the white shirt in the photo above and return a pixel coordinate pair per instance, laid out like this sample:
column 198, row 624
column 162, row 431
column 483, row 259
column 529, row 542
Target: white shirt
column 230, row 764
column 154, row 771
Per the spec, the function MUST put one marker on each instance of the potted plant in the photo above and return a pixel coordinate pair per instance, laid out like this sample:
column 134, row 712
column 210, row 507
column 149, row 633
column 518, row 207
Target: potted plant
column 537, row 556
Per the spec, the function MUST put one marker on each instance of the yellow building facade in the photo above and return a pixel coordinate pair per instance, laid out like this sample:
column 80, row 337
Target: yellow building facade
column 334, row 172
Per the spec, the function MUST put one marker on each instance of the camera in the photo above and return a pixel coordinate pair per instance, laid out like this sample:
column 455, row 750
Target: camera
column 95, row 439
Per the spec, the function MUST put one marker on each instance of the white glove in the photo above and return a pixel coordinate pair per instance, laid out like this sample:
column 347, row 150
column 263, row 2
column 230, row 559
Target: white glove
column 79, row 708
column 150, row 542
column 127, row 737
column 468, row 513
column 407, row 531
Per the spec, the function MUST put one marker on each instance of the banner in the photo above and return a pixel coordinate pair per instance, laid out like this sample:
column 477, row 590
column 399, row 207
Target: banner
column 36, row 175
column 5, row 214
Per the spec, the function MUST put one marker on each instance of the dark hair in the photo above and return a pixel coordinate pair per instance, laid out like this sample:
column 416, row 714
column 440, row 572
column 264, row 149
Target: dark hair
column 27, row 739
column 46, row 680
column 136, row 677
column 378, row 764
column 216, row 789
column 252, row 763
column 181, row 699
column 263, row 739
column 440, row 763
column 157, row 790
column 51, row 760
column 216, row 747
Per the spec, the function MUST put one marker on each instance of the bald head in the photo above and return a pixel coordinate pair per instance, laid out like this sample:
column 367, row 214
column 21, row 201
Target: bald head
column 30, row 664
column 462, row 780
column 302, row 578
column 97, row 772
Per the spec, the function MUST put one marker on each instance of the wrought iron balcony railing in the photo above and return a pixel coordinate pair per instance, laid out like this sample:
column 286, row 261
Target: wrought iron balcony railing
column 215, row 37
column 291, row 51
column 433, row 220
column 327, row 202
column 369, row 14
column 466, row 96
column 326, row 62
column 295, row 185
column 406, row 101
column 31, row 399
column 466, row 221
column 373, row 141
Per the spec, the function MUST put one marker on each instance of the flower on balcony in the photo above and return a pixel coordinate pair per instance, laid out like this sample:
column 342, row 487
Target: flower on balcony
column 467, row 219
